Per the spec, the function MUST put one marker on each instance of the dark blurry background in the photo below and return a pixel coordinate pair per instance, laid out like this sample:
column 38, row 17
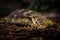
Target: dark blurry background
column 7, row 6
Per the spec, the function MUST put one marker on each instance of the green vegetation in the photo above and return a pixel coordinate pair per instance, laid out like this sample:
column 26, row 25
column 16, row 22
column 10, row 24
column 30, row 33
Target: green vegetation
column 41, row 5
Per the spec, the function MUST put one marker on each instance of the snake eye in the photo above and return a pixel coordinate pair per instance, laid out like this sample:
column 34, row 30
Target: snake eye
column 30, row 19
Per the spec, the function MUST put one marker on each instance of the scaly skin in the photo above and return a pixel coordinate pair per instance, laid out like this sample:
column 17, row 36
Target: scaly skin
column 11, row 29
column 29, row 18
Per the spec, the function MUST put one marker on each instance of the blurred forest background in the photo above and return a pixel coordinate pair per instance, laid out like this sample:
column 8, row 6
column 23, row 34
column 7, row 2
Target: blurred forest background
column 7, row 6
